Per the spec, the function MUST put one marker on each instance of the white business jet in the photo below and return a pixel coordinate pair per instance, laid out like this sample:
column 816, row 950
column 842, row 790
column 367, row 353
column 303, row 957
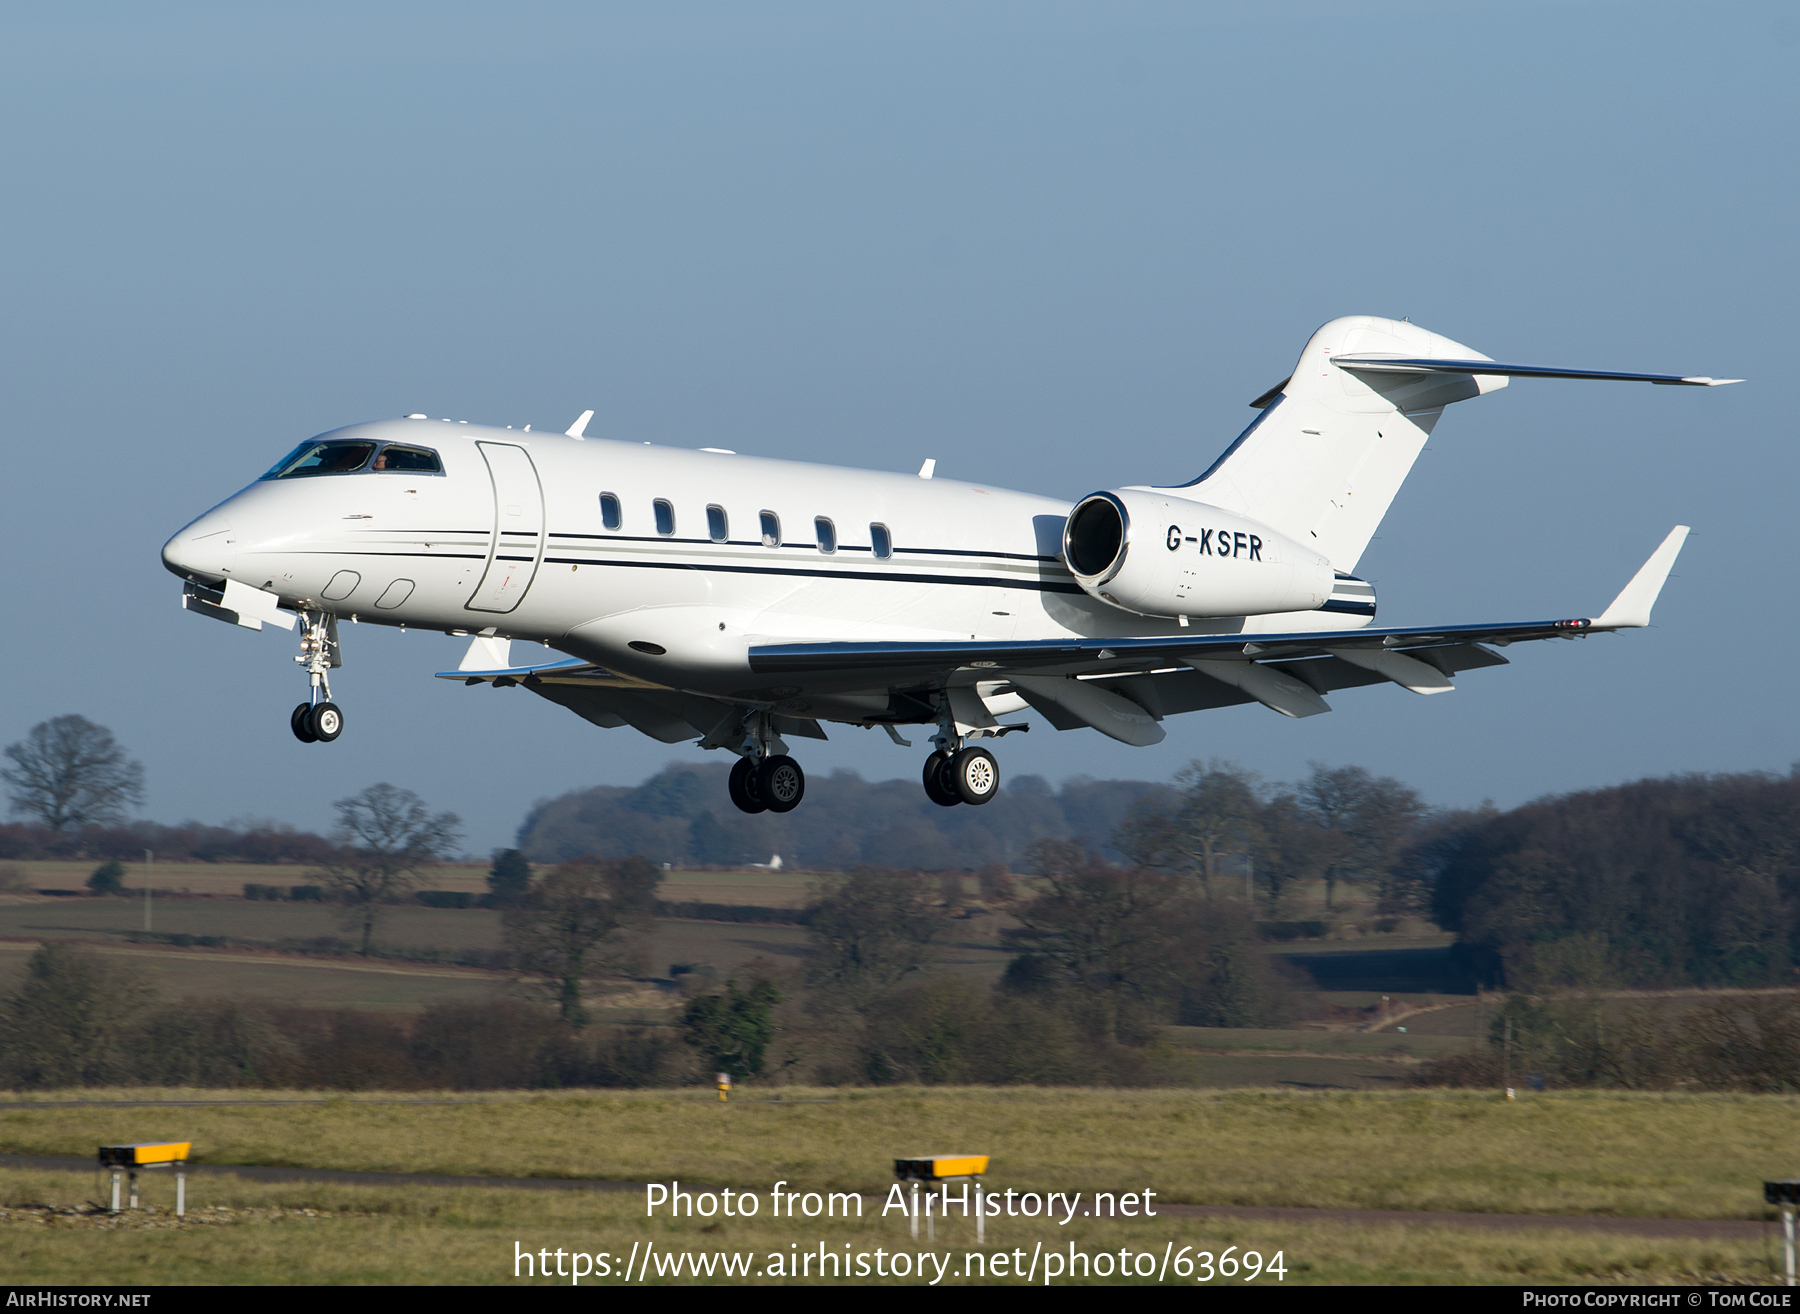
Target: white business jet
column 738, row 601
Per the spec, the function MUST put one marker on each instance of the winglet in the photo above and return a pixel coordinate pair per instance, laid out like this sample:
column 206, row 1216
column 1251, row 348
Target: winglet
column 1631, row 609
column 579, row 428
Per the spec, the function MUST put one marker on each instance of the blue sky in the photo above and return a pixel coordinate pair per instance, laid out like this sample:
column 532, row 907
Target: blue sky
column 1057, row 247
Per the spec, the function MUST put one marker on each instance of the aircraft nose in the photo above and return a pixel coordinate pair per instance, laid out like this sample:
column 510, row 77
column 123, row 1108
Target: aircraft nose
column 206, row 549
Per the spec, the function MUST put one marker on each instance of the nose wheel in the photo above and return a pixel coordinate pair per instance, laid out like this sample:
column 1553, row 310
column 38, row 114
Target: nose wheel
column 317, row 723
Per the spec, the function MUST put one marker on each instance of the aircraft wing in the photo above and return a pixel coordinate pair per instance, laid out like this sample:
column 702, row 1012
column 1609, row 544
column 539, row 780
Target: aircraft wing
column 1121, row 687
column 610, row 699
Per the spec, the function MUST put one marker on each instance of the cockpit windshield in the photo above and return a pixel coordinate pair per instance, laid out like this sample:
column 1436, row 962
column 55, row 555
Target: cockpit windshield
column 325, row 458
column 321, row 458
column 413, row 460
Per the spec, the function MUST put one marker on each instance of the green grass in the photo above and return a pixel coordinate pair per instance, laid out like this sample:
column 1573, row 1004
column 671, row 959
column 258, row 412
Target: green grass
column 1695, row 1156
column 438, row 1236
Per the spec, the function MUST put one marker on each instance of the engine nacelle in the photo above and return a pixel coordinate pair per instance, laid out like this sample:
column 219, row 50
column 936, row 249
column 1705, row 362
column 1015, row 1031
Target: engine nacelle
column 1157, row 555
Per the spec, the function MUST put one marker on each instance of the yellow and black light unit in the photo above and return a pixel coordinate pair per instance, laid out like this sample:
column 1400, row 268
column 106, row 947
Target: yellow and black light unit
column 936, row 1171
column 123, row 1159
column 724, row 1082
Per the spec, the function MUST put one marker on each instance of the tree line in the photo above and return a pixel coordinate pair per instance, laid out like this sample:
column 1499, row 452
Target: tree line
column 1692, row 880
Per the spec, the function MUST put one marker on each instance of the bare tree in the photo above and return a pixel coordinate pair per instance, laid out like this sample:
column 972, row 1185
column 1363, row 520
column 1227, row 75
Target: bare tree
column 1103, row 930
column 1365, row 819
column 69, row 773
column 1387, row 818
column 1219, row 814
column 386, row 837
column 579, row 918
column 869, row 929
column 69, row 1023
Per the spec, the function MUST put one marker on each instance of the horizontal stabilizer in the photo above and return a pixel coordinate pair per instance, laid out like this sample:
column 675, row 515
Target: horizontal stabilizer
column 1376, row 363
column 1631, row 609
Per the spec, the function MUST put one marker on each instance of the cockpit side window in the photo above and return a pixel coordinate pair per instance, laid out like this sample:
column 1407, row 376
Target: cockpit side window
column 314, row 458
column 410, row 460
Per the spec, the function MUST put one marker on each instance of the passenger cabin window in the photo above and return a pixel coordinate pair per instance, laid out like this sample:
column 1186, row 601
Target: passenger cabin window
column 771, row 529
column 312, row 458
column 665, row 517
column 409, row 460
column 826, row 534
column 612, row 515
column 882, row 541
column 717, row 526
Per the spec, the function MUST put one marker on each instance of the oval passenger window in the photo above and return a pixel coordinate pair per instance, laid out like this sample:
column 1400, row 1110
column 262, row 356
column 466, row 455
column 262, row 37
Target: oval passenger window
column 612, row 515
column 717, row 526
column 771, row 529
column 665, row 517
column 882, row 541
column 826, row 533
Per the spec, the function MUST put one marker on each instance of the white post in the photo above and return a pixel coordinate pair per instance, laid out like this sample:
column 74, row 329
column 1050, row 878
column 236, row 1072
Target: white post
column 180, row 1192
column 115, row 1196
column 980, row 1217
column 134, row 1198
column 915, row 1211
column 149, row 862
column 1787, row 1236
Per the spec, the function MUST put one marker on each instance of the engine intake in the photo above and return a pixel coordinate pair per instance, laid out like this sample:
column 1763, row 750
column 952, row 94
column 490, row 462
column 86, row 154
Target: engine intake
column 1143, row 551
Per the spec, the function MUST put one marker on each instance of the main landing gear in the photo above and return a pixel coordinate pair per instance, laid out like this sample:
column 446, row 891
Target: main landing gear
column 765, row 778
column 969, row 775
column 318, row 720
column 957, row 773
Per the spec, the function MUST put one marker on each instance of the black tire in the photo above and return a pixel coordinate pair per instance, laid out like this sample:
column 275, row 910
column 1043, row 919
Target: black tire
column 301, row 724
column 937, row 787
column 326, row 721
column 780, row 783
column 743, row 787
column 975, row 775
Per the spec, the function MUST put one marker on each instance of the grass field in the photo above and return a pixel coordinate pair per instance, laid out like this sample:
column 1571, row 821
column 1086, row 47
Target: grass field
column 1685, row 1156
column 225, row 878
column 442, row 1235
column 347, row 983
column 769, row 889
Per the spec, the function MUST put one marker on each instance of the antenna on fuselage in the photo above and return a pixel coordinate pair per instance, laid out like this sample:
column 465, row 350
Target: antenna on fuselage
column 578, row 430
column 929, row 468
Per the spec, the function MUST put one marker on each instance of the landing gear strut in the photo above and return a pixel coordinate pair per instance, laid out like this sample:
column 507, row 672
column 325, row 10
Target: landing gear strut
column 318, row 720
column 955, row 773
column 765, row 778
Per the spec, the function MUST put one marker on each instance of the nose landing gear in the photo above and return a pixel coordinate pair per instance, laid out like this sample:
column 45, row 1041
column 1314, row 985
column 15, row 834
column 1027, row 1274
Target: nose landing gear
column 318, row 720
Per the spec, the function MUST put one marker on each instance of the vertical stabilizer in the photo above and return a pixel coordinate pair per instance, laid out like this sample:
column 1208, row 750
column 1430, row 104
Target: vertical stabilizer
column 1332, row 446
